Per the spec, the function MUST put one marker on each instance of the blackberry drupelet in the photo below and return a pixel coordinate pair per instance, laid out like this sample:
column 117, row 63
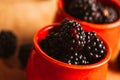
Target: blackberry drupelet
column 91, row 11
column 72, row 45
column 8, row 43
column 24, row 52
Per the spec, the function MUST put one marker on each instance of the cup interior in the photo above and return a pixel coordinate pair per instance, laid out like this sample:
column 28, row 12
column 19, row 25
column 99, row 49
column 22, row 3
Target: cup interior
column 114, row 3
column 42, row 33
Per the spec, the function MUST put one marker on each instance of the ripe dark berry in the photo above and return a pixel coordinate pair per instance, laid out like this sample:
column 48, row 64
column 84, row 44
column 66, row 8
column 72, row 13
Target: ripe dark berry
column 72, row 33
column 48, row 45
column 72, row 45
column 95, row 47
column 8, row 44
column 24, row 52
column 91, row 11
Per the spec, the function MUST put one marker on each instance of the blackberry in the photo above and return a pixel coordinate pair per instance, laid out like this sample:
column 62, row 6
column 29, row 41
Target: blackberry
column 72, row 33
column 91, row 11
column 8, row 43
column 49, row 45
column 95, row 49
column 24, row 52
column 72, row 45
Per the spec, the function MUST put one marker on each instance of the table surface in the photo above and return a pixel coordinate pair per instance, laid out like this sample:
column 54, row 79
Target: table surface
column 10, row 68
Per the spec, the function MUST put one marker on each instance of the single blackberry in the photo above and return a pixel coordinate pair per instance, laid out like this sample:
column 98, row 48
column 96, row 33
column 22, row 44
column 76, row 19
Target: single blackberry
column 24, row 52
column 95, row 49
column 49, row 45
column 8, row 43
column 72, row 45
column 73, row 34
column 91, row 11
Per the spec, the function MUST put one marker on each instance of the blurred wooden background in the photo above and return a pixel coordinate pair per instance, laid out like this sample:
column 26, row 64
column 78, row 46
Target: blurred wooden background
column 24, row 18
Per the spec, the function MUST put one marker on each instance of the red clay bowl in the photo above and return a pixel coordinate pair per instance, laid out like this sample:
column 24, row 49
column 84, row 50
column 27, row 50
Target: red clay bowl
column 43, row 67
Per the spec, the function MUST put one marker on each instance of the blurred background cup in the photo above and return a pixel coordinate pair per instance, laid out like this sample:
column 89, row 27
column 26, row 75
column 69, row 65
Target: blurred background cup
column 43, row 67
column 109, row 31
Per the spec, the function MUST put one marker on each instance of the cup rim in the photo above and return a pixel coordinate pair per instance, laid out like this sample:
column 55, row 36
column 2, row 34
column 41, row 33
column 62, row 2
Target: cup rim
column 62, row 64
column 91, row 25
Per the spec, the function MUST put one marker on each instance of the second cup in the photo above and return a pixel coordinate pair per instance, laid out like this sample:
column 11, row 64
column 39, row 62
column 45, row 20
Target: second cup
column 109, row 31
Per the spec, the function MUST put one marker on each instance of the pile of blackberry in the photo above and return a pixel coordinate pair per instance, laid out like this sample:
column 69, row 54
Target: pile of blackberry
column 8, row 43
column 69, row 43
column 91, row 11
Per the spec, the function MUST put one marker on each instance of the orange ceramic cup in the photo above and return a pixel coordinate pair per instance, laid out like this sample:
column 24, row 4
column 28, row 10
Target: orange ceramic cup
column 43, row 67
column 110, row 32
